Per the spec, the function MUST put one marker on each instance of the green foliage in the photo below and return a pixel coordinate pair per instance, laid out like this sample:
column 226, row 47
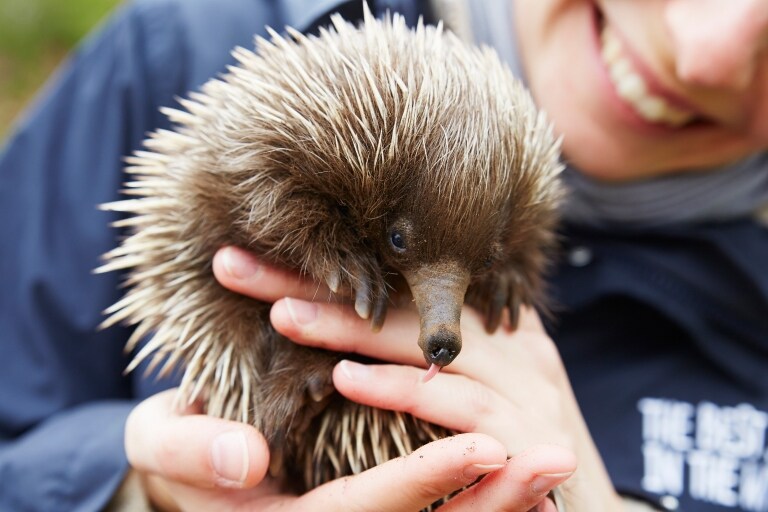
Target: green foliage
column 27, row 26
column 34, row 36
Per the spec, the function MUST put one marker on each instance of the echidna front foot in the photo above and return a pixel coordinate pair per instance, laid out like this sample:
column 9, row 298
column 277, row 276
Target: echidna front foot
column 497, row 291
column 297, row 386
column 355, row 276
column 370, row 296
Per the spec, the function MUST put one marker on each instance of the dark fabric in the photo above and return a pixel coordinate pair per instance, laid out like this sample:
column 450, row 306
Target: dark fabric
column 665, row 338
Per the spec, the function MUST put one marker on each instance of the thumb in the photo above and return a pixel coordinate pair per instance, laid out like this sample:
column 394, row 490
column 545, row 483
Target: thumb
column 193, row 449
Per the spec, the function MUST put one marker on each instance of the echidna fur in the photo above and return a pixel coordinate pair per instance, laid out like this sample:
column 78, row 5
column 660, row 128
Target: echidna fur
column 305, row 152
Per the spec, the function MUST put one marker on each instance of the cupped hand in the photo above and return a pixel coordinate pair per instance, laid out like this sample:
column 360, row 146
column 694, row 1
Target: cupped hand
column 188, row 461
column 510, row 385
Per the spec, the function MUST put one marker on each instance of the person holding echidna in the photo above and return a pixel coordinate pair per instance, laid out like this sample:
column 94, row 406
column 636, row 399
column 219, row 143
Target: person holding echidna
column 655, row 297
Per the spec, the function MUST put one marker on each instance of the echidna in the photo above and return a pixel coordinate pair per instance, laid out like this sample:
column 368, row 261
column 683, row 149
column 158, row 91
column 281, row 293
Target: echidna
column 355, row 156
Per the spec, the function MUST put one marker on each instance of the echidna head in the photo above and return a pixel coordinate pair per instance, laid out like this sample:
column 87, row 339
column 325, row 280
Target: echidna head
column 426, row 156
column 439, row 251
column 443, row 163
column 438, row 286
column 441, row 240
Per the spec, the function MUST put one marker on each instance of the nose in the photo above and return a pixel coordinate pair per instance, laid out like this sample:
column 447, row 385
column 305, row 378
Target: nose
column 718, row 44
column 442, row 347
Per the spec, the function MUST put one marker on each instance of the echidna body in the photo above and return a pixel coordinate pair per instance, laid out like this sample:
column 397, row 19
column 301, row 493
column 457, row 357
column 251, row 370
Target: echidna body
column 355, row 157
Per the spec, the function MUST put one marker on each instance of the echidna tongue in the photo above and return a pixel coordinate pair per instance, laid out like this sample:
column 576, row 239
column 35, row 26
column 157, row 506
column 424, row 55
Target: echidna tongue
column 433, row 370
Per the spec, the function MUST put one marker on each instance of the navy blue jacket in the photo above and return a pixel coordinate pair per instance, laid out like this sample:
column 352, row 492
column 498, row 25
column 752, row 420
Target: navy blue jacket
column 665, row 334
column 665, row 338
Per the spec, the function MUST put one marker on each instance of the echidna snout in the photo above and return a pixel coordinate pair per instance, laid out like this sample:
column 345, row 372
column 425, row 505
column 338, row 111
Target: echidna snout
column 442, row 347
column 438, row 290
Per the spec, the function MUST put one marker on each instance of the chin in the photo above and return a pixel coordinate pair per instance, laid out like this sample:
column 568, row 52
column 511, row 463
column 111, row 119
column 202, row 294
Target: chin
column 607, row 162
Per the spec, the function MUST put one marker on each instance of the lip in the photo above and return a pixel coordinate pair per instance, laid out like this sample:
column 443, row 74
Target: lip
column 652, row 83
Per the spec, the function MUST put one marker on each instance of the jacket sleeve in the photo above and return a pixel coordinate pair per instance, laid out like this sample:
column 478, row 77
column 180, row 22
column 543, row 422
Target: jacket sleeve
column 63, row 396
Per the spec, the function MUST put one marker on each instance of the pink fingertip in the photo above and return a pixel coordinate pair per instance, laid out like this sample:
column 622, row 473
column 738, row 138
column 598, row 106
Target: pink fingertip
column 433, row 370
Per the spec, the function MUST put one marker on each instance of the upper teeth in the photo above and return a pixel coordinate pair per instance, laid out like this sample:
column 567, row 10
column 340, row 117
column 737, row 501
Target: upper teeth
column 631, row 86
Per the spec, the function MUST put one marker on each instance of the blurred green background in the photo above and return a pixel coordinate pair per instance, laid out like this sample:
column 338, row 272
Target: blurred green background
column 35, row 35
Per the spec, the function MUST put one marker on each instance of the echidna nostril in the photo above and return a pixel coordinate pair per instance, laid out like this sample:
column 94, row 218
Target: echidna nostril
column 441, row 356
column 442, row 348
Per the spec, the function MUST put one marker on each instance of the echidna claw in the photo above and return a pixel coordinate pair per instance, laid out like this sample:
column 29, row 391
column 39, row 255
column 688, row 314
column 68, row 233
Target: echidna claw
column 379, row 311
column 514, row 301
column 363, row 298
column 319, row 389
column 495, row 309
column 333, row 281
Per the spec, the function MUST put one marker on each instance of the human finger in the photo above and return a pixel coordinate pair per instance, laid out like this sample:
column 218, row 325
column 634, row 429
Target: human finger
column 522, row 484
column 456, row 401
column 337, row 327
column 242, row 272
column 412, row 482
column 529, row 320
column 194, row 449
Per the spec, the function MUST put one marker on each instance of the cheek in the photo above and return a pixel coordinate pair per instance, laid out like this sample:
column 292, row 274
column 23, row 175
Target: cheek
column 759, row 125
column 566, row 84
column 558, row 48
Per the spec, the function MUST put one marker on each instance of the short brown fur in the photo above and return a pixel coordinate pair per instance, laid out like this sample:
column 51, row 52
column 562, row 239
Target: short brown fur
column 313, row 152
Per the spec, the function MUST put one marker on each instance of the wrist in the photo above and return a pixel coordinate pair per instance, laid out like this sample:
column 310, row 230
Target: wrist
column 590, row 489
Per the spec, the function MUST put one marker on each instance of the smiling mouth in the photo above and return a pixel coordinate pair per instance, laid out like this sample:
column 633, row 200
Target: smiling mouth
column 631, row 87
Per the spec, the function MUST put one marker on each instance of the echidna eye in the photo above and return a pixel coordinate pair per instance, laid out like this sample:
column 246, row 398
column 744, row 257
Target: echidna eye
column 488, row 263
column 397, row 241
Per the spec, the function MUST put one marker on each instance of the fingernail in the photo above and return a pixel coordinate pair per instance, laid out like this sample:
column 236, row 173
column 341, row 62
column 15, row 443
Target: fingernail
column 301, row 312
column 229, row 456
column 545, row 482
column 473, row 471
column 354, row 371
column 239, row 265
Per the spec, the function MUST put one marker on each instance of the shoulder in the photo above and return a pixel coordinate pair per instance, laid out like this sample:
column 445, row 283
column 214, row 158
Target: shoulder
column 193, row 38
column 199, row 35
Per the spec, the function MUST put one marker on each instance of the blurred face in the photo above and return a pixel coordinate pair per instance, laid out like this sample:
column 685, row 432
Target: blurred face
column 645, row 87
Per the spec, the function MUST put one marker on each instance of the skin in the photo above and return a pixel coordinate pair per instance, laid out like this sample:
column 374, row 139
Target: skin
column 155, row 432
column 508, row 390
column 173, row 450
column 714, row 60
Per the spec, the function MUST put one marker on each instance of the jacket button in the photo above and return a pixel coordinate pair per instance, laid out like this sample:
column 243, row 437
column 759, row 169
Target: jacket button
column 580, row 256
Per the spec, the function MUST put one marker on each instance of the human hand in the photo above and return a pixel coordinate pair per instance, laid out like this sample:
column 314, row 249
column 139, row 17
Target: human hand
column 508, row 385
column 188, row 461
